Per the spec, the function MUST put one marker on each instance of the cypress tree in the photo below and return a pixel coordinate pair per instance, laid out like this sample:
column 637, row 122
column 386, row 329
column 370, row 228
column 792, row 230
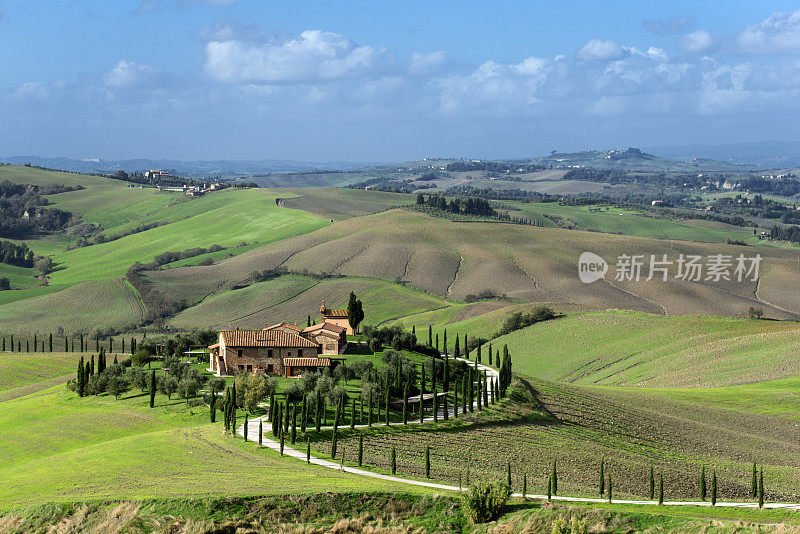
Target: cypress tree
column 394, row 461
column 427, row 461
column 754, row 483
column 508, row 472
column 369, row 415
column 304, row 415
column 471, row 385
column 386, row 402
column 27, row 346
column 212, row 409
column 233, row 417
column 661, row 489
column 609, row 488
column 111, row 344
column 555, row 479
column 283, row 438
column 524, row 486
column 275, row 418
column 353, row 414
column 91, row 367
column 422, row 396
column 260, row 432
column 550, row 488
column 66, row 344
column 405, row 404
column 245, row 427
column 761, row 488
column 466, row 346
column 457, row 350
column 445, row 409
column 308, row 451
column 12, row 342
column 445, row 341
column 51, row 342
column 81, row 378
column 430, row 336
column 294, row 423
column 455, row 401
column 341, row 459
column 333, row 443
column 123, row 346
column 485, row 388
column 360, row 449
column 35, row 343
column 287, row 417
column 602, row 478
column 714, row 488
column 703, row 483
column 153, row 396
column 652, row 484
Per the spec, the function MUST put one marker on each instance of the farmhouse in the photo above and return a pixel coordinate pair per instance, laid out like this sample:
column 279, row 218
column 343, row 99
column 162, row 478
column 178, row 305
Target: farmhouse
column 337, row 317
column 281, row 349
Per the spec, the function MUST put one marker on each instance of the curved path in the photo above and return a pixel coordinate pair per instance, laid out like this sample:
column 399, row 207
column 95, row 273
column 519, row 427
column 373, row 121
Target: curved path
column 491, row 374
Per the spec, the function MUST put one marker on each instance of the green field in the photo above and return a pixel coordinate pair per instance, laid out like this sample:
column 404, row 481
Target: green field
column 111, row 303
column 127, row 450
column 636, row 349
column 613, row 220
column 19, row 277
column 226, row 218
column 21, row 174
column 338, row 204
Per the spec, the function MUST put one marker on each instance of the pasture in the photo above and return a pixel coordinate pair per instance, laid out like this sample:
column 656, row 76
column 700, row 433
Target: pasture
column 20, row 277
column 339, row 204
column 126, row 450
column 618, row 348
column 226, row 218
column 613, row 220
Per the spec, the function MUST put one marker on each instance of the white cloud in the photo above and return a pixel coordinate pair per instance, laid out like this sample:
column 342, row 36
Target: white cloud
column 129, row 74
column 778, row 34
column 32, row 90
column 427, row 63
column 600, row 50
column 697, row 42
column 312, row 56
column 226, row 29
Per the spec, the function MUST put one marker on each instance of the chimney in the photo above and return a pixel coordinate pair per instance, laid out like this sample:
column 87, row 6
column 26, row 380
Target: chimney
column 237, row 328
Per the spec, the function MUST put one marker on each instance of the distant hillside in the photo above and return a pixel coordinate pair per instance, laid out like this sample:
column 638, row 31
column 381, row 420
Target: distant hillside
column 780, row 154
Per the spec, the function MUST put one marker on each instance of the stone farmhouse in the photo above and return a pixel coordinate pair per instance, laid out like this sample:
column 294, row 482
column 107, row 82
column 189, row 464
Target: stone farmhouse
column 282, row 349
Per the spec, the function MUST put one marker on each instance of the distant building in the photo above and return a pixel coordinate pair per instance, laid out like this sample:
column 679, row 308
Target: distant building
column 337, row 317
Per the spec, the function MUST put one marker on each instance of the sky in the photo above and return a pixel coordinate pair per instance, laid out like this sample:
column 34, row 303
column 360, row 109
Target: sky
column 391, row 81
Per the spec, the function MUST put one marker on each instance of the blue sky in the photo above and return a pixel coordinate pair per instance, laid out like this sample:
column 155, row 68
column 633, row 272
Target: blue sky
column 383, row 81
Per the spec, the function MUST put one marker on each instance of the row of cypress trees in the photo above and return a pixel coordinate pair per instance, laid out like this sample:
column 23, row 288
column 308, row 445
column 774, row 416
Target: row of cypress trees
column 74, row 344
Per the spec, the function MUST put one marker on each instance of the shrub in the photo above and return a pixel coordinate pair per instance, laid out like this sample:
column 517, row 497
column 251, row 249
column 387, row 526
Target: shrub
column 519, row 320
column 486, row 502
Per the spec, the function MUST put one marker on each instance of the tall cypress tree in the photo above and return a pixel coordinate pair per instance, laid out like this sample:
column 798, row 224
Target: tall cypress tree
column 457, row 349
column 294, row 423
column 360, row 449
column 508, row 472
column 405, row 403
column 661, row 489
column 394, row 461
column 51, row 342
column 260, row 432
column 333, row 443
column 602, row 478
column 445, row 341
column 524, row 486
column 555, row 478
column 244, row 433
column 153, row 396
column 703, row 483
column 652, row 484
column 427, row 461
column 761, row 488
column 81, row 378
column 437, row 341
column 714, row 488
column 430, row 336
column 478, row 354
column 212, row 407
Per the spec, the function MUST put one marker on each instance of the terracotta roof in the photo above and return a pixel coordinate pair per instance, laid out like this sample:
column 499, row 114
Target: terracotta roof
column 265, row 338
column 284, row 325
column 326, row 326
column 323, row 333
column 307, row 362
column 335, row 313
column 214, row 346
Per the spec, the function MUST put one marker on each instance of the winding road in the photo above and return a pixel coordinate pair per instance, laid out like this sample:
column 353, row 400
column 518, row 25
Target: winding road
column 491, row 375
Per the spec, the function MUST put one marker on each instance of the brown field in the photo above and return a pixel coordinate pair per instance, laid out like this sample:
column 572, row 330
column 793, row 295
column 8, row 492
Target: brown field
column 451, row 259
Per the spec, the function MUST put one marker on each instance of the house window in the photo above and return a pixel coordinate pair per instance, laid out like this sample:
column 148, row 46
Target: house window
column 239, row 353
column 249, row 368
column 269, row 353
column 299, row 353
column 289, row 354
column 270, row 367
column 241, row 367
